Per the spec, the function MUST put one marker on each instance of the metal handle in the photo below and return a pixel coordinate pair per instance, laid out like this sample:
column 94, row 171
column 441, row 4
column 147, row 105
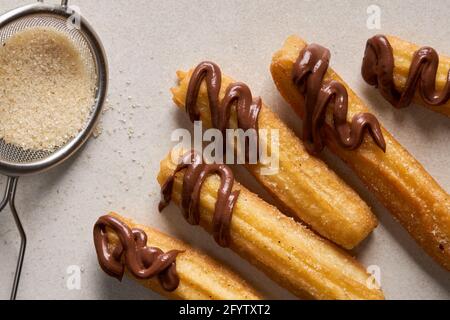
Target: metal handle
column 64, row 3
column 9, row 197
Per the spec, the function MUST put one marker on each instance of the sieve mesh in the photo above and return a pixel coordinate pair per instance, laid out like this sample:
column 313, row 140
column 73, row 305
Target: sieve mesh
column 15, row 154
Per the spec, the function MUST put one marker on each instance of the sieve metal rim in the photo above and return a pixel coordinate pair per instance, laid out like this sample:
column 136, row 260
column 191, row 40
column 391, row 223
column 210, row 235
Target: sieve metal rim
column 12, row 169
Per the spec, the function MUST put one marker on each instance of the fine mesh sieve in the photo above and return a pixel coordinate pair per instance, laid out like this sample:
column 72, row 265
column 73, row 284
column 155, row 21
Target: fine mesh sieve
column 15, row 161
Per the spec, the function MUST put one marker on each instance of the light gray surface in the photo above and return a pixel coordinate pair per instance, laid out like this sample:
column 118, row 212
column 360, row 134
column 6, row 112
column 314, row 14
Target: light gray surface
column 147, row 41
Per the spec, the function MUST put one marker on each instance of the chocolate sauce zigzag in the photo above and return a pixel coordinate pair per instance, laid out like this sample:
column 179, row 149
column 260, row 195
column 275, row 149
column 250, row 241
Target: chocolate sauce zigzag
column 132, row 251
column 308, row 75
column 378, row 70
column 238, row 93
column 196, row 173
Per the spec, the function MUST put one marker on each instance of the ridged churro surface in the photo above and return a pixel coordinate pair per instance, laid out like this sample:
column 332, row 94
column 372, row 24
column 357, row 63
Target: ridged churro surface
column 201, row 277
column 289, row 253
column 406, row 72
column 398, row 180
column 304, row 185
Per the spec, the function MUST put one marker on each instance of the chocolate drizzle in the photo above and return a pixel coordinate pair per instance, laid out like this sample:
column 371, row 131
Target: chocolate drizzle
column 308, row 75
column 378, row 70
column 194, row 177
column 132, row 251
column 239, row 94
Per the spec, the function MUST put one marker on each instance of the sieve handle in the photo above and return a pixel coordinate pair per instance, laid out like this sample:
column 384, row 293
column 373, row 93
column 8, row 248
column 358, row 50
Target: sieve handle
column 64, row 3
column 9, row 197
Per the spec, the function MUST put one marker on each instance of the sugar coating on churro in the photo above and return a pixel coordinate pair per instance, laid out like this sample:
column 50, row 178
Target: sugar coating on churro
column 201, row 277
column 285, row 250
column 303, row 185
column 395, row 177
column 422, row 79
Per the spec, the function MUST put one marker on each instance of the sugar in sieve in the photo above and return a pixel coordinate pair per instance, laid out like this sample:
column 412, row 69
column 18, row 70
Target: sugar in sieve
column 15, row 161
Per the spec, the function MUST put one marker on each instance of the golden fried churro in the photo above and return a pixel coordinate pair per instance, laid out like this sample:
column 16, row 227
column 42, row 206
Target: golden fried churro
column 288, row 252
column 170, row 267
column 304, row 185
column 397, row 179
column 405, row 72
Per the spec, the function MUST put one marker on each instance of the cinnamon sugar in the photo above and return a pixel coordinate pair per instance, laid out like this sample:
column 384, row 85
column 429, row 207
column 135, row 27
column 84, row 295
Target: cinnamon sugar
column 46, row 91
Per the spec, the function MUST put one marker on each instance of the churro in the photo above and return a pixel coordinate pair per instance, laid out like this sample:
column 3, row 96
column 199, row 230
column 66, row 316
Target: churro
column 304, row 186
column 170, row 267
column 288, row 252
column 397, row 179
column 406, row 73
